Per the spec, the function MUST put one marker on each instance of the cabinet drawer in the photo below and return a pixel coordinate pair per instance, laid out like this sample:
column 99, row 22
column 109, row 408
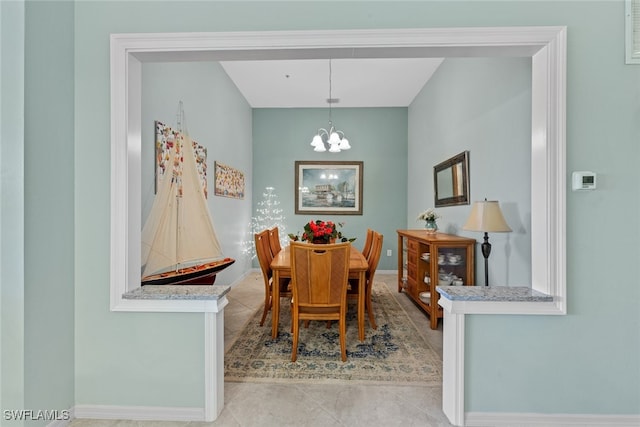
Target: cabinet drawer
column 412, row 245
column 412, row 270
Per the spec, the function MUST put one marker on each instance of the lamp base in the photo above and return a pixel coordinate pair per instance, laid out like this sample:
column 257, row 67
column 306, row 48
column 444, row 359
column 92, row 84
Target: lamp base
column 486, row 251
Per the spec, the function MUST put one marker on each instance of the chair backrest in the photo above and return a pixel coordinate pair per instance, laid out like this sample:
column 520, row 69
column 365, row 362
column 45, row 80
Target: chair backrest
column 320, row 274
column 366, row 249
column 263, row 252
column 274, row 241
column 374, row 255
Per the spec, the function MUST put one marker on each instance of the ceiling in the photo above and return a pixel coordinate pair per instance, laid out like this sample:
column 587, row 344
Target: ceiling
column 371, row 82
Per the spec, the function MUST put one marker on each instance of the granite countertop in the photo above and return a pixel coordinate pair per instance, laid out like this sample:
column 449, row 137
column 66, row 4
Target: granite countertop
column 492, row 293
column 178, row 292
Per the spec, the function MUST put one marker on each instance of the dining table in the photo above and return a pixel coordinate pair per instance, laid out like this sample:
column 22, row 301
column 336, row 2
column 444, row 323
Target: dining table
column 281, row 267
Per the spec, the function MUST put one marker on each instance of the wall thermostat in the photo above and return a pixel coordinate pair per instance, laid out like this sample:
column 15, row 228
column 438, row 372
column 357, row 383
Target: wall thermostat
column 584, row 180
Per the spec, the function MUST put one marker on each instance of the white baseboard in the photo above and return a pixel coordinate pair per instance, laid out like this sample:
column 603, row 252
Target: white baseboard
column 549, row 420
column 60, row 423
column 138, row 413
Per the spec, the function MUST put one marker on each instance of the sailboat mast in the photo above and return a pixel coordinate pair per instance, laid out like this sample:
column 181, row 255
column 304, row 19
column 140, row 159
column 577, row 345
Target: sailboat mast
column 179, row 126
column 178, row 230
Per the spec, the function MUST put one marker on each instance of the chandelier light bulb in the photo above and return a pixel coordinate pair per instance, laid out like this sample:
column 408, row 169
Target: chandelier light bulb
column 344, row 144
column 334, row 138
column 334, row 148
column 320, row 148
column 317, row 141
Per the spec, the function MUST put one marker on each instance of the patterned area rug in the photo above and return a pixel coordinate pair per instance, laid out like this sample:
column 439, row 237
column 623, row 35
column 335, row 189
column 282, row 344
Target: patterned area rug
column 395, row 352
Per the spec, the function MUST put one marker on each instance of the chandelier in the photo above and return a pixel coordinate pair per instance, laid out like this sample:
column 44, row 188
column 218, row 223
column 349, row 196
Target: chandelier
column 333, row 138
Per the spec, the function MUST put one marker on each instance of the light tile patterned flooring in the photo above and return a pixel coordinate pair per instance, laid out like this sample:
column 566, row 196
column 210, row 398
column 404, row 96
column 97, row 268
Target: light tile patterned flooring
column 310, row 405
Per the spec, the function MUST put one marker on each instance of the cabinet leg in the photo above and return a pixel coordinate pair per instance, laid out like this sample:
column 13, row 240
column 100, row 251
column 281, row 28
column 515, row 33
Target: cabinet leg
column 434, row 321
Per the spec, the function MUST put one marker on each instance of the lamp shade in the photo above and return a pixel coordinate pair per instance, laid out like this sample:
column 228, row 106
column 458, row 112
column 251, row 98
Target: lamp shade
column 486, row 216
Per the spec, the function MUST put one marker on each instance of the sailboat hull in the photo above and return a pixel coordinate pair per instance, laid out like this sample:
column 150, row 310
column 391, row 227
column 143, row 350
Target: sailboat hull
column 204, row 274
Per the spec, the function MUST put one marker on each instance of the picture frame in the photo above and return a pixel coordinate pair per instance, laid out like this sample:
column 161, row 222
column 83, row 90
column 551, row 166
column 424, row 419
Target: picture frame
column 328, row 187
column 451, row 181
column 229, row 181
column 165, row 138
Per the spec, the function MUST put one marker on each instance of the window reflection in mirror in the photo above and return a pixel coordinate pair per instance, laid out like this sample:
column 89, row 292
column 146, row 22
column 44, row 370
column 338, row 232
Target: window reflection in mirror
column 451, row 181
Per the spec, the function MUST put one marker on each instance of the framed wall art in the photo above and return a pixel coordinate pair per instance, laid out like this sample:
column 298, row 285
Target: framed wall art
column 328, row 187
column 165, row 138
column 229, row 181
column 451, row 181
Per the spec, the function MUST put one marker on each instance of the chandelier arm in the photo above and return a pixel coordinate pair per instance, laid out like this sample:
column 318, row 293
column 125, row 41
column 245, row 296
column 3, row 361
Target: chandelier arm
column 332, row 137
column 330, row 97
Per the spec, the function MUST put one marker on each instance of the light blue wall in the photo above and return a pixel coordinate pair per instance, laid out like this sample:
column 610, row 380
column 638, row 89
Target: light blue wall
column 49, row 206
column 378, row 137
column 12, row 336
column 482, row 105
column 169, row 371
column 600, row 134
column 594, row 349
column 217, row 117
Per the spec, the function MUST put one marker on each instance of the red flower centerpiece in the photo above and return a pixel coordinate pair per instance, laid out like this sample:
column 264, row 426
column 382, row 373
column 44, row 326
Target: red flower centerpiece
column 321, row 232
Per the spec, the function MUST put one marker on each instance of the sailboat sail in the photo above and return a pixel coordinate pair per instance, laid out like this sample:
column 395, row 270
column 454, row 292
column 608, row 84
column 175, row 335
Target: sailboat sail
column 178, row 235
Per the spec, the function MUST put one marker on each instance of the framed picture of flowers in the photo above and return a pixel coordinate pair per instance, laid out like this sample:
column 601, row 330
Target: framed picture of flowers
column 328, row 187
column 166, row 137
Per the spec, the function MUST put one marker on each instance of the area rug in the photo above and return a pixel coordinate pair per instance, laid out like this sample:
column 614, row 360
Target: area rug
column 394, row 353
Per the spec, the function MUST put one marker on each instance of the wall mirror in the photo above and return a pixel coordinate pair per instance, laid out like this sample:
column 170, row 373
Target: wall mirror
column 451, row 181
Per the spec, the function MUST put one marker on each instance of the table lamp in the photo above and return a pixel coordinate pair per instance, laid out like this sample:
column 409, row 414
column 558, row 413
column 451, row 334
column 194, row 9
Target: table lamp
column 486, row 216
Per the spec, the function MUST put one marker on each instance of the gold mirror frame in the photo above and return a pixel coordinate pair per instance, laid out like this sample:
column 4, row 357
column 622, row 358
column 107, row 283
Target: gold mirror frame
column 451, row 181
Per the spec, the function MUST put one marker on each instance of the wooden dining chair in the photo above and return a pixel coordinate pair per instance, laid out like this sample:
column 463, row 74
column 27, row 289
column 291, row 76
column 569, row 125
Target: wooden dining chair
column 263, row 252
column 274, row 241
column 319, row 275
column 372, row 261
column 368, row 242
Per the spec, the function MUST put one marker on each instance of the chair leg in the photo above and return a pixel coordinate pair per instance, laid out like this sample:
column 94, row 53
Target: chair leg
column 291, row 306
column 296, row 330
column 267, row 307
column 369, row 308
column 343, row 337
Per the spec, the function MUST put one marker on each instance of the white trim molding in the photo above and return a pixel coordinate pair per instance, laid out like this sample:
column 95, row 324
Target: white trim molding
column 545, row 45
column 138, row 413
column 488, row 419
column 632, row 31
column 453, row 350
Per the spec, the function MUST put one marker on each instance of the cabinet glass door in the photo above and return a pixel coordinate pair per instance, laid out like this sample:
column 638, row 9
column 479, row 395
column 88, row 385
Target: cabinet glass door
column 452, row 267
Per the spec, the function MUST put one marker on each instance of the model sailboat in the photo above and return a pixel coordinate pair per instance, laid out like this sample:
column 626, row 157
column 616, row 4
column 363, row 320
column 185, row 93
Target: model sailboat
column 179, row 243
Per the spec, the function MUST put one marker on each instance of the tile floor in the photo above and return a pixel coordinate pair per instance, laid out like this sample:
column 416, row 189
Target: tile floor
column 308, row 405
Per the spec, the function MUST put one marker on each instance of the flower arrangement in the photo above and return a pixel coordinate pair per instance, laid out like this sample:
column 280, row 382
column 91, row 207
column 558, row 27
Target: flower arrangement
column 428, row 215
column 321, row 232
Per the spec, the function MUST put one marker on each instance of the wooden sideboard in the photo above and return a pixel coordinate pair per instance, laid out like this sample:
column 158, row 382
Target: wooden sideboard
column 426, row 260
